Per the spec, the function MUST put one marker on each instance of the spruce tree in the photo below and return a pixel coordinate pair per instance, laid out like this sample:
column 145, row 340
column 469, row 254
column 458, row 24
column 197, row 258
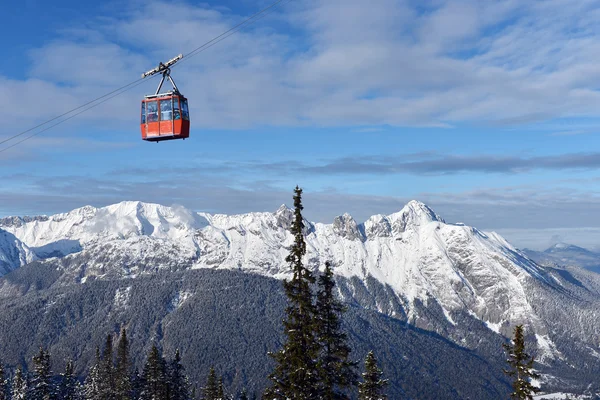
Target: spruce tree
column 42, row 387
column 372, row 387
column 20, row 386
column 3, row 383
column 520, row 367
column 221, row 389
column 123, row 389
column 107, row 375
column 211, row 390
column 69, row 389
column 154, row 378
column 91, row 388
column 296, row 375
column 337, row 372
column 178, row 380
column 136, row 384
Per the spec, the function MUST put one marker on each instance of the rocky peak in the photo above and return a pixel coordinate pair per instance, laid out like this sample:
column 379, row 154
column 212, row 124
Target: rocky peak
column 413, row 213
column 346, row 227
column 285, row 216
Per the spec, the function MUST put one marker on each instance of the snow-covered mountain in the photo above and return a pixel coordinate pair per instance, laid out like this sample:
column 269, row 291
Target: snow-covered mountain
column 410, row 265
column 414, row 251
column 13, row 253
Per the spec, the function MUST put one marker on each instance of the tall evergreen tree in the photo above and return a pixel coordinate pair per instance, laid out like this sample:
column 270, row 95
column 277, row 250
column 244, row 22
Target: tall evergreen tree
column 154, row 378
column 107, row 376
column 520, row 367
column 20, row 386
column 296, row 375
column 42, row 387
column 178, row 380
column 210, row 391
column 3, row 383
column 91, row 387
column 136, row 384
column 221, row 389
column 123, row 389
column 337, row 372
column 372, row 387
column 243, row 395
column 69, row 389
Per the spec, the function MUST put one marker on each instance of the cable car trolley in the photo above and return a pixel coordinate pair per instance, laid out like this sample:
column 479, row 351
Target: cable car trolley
column 165, row 116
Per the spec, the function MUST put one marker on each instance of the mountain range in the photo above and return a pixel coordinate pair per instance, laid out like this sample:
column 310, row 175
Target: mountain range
column 437, row 299
column 566, row 254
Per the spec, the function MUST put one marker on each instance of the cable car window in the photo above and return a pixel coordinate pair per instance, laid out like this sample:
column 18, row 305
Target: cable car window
column 166, row 111
column 184, row 110
column 143, row 112
column 152, row 111
column 176, row 111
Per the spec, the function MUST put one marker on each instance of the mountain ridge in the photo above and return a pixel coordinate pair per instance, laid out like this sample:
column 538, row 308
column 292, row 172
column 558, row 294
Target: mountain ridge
column 410, row 265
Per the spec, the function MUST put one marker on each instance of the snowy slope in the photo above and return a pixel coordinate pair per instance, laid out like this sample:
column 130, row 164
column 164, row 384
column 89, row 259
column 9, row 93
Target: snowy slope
column 13, row 253
column 414, row 251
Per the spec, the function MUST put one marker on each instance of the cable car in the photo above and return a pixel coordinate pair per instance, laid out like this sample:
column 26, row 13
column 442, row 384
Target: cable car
column 165, row 116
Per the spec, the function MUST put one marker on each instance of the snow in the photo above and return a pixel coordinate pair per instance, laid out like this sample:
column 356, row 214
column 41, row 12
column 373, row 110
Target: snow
column 413, row 251
column 546, row 348
column 559, row 396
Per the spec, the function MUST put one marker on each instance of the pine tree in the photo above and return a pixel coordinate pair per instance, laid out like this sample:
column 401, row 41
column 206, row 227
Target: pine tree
column 42, row 387
column 20, row 386
column 3, row 383
column 178, row 380
column 123, row 387
column 372, row 387
column 521, row 367
column 243, row 395
column 296, row 374
column 69, row 389
column 211, row 390
column 154, row 378
column 337, row 372
column 91, row 387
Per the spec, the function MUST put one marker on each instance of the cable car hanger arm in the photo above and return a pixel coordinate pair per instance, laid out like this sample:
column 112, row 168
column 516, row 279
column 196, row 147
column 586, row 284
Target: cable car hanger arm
column 165, row 69
column 161, row 67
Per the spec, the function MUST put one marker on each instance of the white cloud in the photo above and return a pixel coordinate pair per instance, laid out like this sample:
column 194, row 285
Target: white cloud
column 343, row 63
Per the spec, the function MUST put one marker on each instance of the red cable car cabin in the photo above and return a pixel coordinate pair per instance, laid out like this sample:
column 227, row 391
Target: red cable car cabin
column 165, row 117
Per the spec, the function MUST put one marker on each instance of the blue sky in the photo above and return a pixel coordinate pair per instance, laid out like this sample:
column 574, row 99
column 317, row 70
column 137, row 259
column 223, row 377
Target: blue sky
column 486, row 111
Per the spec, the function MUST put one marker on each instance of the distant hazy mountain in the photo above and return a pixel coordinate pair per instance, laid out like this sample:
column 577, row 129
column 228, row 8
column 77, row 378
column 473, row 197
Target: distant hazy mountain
column 567, row 254
column 405, row 272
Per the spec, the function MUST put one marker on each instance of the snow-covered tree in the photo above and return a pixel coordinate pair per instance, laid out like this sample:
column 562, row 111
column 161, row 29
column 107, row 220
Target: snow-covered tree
column 372, row 387
column 91, row 387
column 20, row 386
column 3, row 383
column 42, row 387
column 520, row 367
column 69, row 386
